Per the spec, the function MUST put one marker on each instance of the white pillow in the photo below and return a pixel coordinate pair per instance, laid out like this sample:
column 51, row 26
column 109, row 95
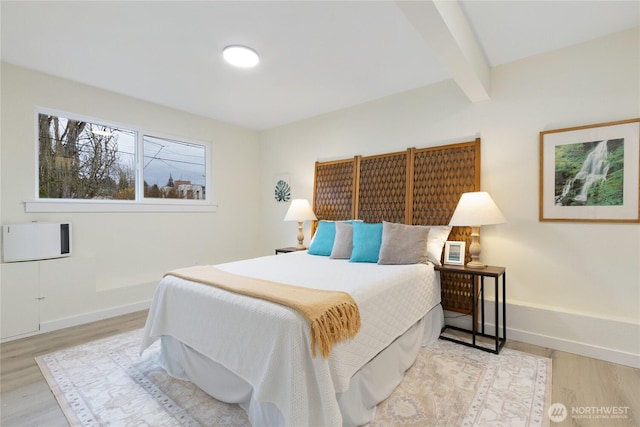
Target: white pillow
column 438, row 235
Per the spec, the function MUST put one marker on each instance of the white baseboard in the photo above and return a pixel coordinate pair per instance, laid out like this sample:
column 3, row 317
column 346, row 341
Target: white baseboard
column 612, row 340
column 67, row 322
column 583, row 349
column 57, row 324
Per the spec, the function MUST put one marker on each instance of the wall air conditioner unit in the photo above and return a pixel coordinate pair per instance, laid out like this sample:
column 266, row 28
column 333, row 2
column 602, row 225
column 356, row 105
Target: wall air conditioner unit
column 35, row 240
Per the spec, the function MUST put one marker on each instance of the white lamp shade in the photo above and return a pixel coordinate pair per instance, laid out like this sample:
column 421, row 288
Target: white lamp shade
column 475, row 209
column 300, row 210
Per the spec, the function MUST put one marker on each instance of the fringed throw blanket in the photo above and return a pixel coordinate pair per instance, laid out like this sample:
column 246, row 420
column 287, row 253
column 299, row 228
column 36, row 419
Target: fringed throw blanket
column 333, row 316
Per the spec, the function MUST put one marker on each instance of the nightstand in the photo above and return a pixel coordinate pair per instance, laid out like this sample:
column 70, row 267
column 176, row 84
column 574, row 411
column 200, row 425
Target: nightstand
column 286, row 250
column 500, row 305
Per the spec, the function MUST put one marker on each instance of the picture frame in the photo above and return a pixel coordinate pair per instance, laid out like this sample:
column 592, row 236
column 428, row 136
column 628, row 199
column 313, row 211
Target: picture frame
column 281, row 188
column 454, row 252
column 591, row 173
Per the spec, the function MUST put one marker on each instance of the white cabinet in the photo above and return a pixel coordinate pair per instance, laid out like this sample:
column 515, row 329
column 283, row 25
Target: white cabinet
column 19, row 298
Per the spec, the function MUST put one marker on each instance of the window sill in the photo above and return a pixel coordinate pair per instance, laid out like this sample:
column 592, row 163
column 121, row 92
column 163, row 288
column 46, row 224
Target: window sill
column 41, row 206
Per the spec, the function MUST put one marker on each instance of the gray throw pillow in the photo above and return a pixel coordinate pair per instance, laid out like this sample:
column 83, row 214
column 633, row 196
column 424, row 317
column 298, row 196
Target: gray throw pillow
column 403, row 244
column 343, row 242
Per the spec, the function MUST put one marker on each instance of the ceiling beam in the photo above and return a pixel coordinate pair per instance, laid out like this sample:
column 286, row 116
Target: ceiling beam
column 446, row 30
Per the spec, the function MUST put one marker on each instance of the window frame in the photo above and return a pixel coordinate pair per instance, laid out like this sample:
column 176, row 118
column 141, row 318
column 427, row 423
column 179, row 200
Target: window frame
column 139, row 203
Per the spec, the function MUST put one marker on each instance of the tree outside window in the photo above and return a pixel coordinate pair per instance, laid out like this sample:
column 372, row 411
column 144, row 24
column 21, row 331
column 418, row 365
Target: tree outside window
column 80, row 159
column 83, row 160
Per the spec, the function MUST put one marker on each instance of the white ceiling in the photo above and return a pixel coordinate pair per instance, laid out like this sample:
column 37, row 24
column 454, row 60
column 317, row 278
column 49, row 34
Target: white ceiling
column 316, row 57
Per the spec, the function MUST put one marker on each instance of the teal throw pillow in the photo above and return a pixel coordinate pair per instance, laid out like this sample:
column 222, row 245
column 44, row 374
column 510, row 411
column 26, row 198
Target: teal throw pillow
column 367, row 239
column 322, row 243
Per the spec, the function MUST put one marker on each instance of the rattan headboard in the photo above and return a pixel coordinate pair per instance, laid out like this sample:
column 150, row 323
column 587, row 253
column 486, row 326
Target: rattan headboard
column 417, row 186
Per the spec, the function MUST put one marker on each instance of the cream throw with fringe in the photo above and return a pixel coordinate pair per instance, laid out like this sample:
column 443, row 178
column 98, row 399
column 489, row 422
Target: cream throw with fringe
column 333, row 316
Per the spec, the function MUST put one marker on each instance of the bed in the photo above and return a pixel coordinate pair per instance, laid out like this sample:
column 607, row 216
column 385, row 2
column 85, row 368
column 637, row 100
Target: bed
column 259, row 354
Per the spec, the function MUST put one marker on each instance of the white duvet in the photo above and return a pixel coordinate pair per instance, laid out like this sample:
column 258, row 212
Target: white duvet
column 268, row 345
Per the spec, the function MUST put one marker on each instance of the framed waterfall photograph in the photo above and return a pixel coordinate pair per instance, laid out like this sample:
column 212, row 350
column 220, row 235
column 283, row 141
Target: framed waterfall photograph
column 591, row 173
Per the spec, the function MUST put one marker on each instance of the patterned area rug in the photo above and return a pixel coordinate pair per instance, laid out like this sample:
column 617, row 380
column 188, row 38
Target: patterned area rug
column 106, row 382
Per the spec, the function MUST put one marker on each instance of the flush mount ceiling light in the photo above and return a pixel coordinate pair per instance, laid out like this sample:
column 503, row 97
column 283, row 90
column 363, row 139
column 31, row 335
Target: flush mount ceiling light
column 240, row 56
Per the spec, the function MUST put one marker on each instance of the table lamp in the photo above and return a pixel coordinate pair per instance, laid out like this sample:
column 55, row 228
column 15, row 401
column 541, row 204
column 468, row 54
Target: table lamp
column 473, row 210
column 300, row 210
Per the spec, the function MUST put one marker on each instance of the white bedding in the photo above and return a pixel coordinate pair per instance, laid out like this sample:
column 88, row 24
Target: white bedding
column 268, row 345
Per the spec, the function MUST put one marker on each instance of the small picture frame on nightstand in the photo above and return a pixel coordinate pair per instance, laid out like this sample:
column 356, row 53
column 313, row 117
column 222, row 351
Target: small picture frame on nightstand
column 454, row 253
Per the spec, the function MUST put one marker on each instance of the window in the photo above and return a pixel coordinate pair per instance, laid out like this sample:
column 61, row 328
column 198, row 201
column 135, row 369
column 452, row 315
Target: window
column 164, row 158
column 83, row 160
column 87, row 160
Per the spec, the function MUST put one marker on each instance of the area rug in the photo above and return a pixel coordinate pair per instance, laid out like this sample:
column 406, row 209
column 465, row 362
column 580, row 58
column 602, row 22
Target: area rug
column 107, row 383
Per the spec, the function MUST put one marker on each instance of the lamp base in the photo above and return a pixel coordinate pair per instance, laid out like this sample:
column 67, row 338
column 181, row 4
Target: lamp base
column 474, row 249
column 300, row 246
column 475, row 264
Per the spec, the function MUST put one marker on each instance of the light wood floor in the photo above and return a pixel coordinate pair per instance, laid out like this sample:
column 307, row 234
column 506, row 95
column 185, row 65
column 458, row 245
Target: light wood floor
column 26, row 399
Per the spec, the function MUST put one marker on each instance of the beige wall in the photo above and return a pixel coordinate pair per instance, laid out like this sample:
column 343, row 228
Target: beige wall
column 119, row 257
column 575, row 286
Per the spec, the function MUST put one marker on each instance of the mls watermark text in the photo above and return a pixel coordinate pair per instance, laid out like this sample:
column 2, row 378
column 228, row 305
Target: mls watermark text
column 558, row 412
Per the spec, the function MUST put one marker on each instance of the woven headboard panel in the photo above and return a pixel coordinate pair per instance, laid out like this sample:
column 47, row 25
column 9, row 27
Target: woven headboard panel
column 382, row 189
column 416, row 186
column 334, row 190
column 440, row 176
